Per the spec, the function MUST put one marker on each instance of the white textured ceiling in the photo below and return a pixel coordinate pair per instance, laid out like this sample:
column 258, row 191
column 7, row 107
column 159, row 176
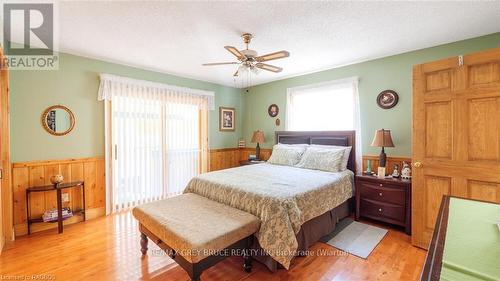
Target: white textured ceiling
column 177, row 37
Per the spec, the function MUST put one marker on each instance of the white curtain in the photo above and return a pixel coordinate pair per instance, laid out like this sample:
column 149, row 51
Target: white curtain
column 327, row 106
column 156, row 136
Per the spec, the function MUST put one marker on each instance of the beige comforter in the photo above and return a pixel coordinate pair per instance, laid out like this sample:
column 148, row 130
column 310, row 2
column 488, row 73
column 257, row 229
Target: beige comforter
column 282, row 197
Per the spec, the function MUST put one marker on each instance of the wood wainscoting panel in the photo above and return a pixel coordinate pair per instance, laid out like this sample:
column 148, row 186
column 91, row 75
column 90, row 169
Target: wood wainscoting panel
column 26, row 174
column 265, row 153
column 224, row 158
column 391, row 161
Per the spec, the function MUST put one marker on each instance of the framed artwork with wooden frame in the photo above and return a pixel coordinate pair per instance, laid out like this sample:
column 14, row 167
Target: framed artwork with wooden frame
column 227, row 119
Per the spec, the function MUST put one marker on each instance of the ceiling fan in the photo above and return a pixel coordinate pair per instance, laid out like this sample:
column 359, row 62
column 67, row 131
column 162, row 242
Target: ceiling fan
column 249, row 60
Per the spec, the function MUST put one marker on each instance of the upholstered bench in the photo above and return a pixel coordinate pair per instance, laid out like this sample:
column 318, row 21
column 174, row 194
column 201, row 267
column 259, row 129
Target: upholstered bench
column 196, row 232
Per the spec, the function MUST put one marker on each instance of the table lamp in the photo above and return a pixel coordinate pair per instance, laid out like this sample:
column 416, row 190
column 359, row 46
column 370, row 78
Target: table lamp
column 258, row 137
column 382, row 139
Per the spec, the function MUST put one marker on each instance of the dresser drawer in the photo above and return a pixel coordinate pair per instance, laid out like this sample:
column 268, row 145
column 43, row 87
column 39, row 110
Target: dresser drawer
column 377, row 209
column 382, row 192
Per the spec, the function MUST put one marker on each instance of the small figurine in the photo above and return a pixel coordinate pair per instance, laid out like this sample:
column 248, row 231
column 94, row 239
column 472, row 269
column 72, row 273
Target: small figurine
column 56, row 179
column 395, row 173
column 406, row 171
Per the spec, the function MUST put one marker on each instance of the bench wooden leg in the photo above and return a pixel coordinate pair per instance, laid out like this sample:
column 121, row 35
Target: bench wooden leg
column 144, row 244
column 247, row 254
column 194, row 272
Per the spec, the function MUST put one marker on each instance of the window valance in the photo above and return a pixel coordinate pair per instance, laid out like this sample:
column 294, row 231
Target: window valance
column 112, row 85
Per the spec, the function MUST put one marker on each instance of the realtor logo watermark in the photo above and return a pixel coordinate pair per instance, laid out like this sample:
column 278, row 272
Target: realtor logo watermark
column 29, row 36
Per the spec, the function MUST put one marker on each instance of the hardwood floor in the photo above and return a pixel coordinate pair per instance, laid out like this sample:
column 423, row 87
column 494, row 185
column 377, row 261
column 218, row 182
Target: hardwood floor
column 108, row 248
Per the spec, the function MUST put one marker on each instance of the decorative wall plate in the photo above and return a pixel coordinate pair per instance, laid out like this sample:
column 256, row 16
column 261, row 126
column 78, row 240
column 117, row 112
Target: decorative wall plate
column 273, row 110
column 387, row 99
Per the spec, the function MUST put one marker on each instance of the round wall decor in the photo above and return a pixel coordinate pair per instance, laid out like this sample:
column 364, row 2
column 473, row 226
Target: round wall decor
column 58, row 120
column 273, row 110
column 387, row 99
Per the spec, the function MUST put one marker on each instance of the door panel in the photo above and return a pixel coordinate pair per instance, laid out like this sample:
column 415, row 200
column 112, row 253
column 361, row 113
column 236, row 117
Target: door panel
column 438, row 81
column 485, row 191
column 438, row 127
column 456, row 135
column 484, row 129
column 436, row 187
column 484, row 75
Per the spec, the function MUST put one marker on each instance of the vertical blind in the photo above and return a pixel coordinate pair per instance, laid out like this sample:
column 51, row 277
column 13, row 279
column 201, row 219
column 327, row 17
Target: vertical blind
column 158, row 139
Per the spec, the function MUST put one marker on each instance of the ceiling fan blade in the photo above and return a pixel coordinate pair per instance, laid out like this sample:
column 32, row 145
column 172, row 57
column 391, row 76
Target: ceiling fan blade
column 273, row 56
column 219, row 63
column 269, row 67
column 235, row 52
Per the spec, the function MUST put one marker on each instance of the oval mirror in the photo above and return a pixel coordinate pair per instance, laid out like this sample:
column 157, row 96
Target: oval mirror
column 58, row 120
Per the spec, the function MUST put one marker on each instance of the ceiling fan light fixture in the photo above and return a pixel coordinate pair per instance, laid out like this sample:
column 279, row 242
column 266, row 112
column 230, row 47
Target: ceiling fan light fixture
column 255, row 70
column 249, row 61
column 242, row 69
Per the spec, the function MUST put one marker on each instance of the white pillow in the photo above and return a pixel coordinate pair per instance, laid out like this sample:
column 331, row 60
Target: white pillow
column 284, row 154
column 322, row 158
column 345, row 158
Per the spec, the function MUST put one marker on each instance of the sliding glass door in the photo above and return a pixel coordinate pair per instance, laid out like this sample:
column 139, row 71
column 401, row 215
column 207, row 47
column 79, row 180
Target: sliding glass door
column 158, row 146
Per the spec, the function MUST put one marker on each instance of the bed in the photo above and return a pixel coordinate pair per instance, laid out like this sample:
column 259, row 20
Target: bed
column 296, row 206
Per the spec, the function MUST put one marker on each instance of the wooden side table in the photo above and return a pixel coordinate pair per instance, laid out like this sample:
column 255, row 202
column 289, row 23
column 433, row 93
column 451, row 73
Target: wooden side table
column 387, row 200
column 58, row 187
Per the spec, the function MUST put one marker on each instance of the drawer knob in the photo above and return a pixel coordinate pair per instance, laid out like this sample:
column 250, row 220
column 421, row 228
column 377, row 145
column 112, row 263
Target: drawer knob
column 380, row 210
column 380, row 185
column 380, row 194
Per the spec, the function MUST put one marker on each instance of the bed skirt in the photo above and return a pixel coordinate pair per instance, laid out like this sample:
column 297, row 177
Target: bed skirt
column 310, row 232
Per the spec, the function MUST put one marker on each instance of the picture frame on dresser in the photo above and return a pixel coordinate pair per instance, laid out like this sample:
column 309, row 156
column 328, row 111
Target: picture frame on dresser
column 386, row 200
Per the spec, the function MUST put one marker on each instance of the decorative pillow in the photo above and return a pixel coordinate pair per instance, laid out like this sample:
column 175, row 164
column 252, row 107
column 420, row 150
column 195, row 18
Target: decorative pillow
column 345, row 158
column 322, row 158
column 284, row 154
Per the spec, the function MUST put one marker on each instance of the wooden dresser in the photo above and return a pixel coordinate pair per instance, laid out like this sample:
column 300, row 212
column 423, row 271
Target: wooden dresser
column 386, row 200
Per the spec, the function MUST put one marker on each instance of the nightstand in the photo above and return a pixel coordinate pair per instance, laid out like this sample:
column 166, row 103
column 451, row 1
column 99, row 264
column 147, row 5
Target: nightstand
column 387, row 200
column 247, row 162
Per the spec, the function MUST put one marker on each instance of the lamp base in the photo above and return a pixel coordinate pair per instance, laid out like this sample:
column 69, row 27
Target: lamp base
column 257, row 152
column 382, row 159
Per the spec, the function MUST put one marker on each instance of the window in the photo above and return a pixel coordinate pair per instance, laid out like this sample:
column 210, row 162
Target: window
column 327, row 106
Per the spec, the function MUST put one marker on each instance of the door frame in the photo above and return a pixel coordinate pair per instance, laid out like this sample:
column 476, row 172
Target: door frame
column 6, row 192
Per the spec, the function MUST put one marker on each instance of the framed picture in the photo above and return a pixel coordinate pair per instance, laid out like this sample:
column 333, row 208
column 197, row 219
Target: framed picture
column 387, row 99
column 227, row 119
column 273, row 110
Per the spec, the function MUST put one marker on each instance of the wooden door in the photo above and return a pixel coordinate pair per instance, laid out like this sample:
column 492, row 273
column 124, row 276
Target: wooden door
column 4, row 146
column 456, row 135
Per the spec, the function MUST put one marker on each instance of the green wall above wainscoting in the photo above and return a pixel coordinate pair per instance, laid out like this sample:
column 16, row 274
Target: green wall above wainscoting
column 75, row 85
column 76, row 82
column 394, row 72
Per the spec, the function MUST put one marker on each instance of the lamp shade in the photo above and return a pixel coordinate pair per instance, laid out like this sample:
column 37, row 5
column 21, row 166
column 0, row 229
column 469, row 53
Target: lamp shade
column 258, row 137
column 382, row 138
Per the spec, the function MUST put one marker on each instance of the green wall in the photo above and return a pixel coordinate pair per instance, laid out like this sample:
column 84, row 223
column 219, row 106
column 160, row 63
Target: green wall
column 75, row 85
column 76, row 82
column 394, row 72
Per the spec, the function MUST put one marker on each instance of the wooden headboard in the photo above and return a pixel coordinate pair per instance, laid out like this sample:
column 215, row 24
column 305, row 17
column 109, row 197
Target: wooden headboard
column 340, row 138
